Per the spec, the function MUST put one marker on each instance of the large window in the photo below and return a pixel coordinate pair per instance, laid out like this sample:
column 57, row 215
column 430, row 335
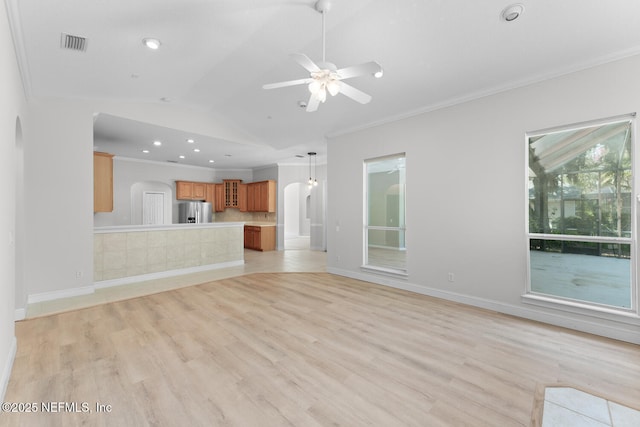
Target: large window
column 384, row 245
column 581, row 215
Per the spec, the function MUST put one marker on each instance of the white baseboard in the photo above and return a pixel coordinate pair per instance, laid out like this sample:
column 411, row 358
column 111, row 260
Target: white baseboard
column 623, row 331
column 64, row 293
column 6, row 371
column 163, row 274
column 86, row 290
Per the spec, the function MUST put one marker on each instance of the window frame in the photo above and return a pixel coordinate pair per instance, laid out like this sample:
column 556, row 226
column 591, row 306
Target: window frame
column 366, row 266
column 574, row 305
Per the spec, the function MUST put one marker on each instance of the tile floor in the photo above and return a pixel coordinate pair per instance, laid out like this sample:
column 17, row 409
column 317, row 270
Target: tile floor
column 566, row 406
column 296, row 258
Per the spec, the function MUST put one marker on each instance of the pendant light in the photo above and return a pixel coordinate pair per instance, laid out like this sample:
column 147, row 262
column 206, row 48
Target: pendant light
column 312, row 181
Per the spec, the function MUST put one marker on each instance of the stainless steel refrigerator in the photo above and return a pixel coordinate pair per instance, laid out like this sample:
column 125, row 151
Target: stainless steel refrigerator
column 195, row 212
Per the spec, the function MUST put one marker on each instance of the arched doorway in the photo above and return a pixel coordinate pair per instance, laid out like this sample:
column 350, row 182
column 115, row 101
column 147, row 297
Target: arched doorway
column 297, row 220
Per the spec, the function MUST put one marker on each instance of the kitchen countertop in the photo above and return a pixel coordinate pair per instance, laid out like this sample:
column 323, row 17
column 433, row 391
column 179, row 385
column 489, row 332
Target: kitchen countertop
column 260, row 224
column 163, row 227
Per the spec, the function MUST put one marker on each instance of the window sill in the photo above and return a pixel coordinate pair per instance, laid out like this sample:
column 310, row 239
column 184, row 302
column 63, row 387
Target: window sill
column 622, row 315
column 400, row 274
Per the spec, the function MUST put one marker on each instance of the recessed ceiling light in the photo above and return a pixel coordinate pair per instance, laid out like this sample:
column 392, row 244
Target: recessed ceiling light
column 378, row 73
column 512, row 12
column 211, row 161
column 157, row 143
column 145, row 151
column 190, row 141
column 151, row 43
column 182, row 157
column 196, row 150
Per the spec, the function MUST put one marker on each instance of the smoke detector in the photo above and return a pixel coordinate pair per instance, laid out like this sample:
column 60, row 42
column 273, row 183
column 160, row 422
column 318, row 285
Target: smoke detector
column 512, row 12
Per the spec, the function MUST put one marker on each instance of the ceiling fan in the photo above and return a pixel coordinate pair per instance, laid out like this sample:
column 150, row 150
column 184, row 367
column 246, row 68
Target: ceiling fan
column 326, row 77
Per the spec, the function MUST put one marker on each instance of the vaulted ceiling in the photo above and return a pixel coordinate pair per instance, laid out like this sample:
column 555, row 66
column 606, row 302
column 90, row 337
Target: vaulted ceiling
column 215, row 55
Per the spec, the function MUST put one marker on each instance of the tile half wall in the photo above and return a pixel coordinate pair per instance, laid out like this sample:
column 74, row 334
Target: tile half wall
column 127, row 254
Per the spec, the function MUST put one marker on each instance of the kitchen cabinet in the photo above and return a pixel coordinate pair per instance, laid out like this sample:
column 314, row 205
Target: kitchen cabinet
column 260, row 238
column 188, row 190
column 210, row 195
column 218, row 204
column 242, row 197
column 261, row 196
column 102, row 182
column 231, row 192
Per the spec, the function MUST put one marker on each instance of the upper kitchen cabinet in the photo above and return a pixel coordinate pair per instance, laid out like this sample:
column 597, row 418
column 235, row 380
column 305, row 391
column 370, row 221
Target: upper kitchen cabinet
column 187, row 190
column 102, row 182
column 261, row 196
column 218, row 204
column 232, row 193
column 242, row 197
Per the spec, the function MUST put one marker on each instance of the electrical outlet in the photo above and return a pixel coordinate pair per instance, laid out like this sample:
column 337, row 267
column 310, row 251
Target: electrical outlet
column 450, row 277
column 78, row 274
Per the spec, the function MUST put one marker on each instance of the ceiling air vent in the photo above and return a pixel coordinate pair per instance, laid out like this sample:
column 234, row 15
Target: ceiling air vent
column 67, row 41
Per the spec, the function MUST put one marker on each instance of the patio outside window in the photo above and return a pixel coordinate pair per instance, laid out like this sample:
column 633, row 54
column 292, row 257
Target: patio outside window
column 581, row 215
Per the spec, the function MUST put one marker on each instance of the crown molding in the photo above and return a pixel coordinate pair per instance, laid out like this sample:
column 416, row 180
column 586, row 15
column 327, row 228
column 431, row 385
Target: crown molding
column 15, row 24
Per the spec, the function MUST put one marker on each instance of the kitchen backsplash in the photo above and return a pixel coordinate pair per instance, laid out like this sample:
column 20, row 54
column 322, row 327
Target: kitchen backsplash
column 234, row 215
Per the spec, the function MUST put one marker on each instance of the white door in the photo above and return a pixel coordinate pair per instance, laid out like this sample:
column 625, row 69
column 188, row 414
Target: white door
column 152, row 207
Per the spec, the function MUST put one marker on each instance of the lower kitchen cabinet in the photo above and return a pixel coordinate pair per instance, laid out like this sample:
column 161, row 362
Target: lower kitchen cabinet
column 260, row 238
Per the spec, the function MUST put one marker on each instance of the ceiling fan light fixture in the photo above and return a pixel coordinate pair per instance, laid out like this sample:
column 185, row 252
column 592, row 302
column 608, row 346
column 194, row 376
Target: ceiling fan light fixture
column 333, row 87
column 321, row 95
column 315, row 87
column 325, row 76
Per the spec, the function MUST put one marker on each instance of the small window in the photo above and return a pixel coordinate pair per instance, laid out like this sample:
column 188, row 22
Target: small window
column 581, row 228
column 385, row 230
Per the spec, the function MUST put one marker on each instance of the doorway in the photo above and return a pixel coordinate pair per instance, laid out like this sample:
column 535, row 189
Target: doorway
column 152, row 208
column 297, row 217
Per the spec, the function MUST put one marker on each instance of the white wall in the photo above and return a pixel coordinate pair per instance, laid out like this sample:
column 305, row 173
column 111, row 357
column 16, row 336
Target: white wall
column 59, row 197
column 466, row 190
column 12, row 107
column 292, row 212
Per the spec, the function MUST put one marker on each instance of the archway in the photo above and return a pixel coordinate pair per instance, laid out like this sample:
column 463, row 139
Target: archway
column 297, row 219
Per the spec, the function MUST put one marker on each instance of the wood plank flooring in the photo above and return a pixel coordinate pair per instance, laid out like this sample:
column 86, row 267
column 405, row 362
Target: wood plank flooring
column 304, row 349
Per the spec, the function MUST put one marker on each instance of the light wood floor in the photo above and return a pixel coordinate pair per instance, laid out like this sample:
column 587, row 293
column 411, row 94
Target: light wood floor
column 304, row 349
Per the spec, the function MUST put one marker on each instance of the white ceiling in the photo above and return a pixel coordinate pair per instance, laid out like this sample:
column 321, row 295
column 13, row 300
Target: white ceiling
column 217, row 54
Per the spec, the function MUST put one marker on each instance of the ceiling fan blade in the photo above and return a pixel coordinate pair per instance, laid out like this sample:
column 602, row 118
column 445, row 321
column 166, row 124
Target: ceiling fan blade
column 304, row 60
column 355, row 94
column 359, row 70
column 313, row 103
column 287, row 83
